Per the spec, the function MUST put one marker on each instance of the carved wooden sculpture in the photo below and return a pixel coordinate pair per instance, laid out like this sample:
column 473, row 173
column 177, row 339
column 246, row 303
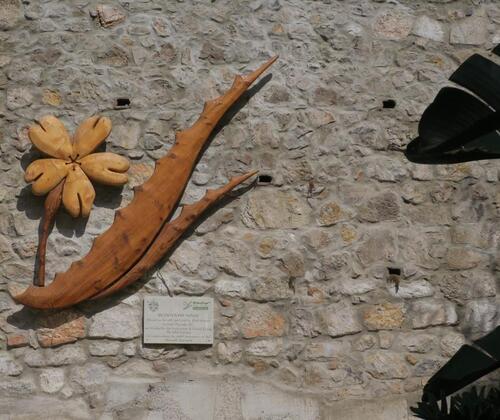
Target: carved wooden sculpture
column 141, row 233
column 65, row 174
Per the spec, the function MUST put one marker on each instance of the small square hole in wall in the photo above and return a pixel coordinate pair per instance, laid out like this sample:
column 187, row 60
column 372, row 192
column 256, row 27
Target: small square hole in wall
column 393, row 271
column 389, row 104
column 122, row 103
column 264, row 179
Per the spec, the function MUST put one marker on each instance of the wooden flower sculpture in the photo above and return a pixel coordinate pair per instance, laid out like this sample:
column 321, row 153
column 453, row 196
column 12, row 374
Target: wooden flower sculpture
column 73, row 163
column 142, row 232
column 65, row 176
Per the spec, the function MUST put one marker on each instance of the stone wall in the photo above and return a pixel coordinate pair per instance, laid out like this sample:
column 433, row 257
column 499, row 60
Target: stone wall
column 308, row 320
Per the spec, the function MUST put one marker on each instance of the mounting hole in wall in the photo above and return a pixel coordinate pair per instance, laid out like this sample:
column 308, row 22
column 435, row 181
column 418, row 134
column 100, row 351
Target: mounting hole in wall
column 393, row 271
column 122, row 103
column 264, row 179
column 389, row 104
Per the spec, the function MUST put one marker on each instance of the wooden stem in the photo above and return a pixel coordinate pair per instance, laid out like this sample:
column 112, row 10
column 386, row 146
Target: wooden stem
column 52, row 204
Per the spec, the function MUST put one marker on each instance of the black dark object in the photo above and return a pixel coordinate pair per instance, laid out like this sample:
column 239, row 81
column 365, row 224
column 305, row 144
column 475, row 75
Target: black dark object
column 469, row 405
column 468, row 364
column 264, row 179
column 122, row 103
column 389, row 103
column 457, row 126
column 394, row 271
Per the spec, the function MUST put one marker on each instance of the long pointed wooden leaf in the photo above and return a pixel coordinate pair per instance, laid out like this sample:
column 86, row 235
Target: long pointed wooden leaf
column 136, row 226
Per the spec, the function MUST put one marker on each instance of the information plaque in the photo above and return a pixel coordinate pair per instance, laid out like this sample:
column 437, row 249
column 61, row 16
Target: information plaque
column 178, row 320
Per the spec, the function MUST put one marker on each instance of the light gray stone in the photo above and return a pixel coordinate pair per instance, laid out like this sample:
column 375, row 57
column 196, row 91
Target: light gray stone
column 265, row 348
column 129, row 349
column 377, row 247
column 428, row 366
column 431, row 312
column 288, row 210
column 323, row 349
column 381, row 409
column 51, row 407
column 429, row 28
column 459, row 258
column 272, row 285
column 412, row 289
column 229, row 352
column 9, row 366
column 88, row 377
column 233, row 258
column 451, row 343
column 187, row 257
column 233, row 288
column 11, row 13
column 261, row 320
column 264, row 402
column 365, row 342
column 386, row 365
column 19, row 97
column 121, row 321
column 126, row 135
column 51, row 380
column 393, row 24
column 481, row 316
column 417, row 343
column 470, row 31
column 17, row 387
column 462, row 286
column 35, row 358
column 5, row 250
column 104, row 348
column 478, row 235
column 340, row 319
column 384, row 206
column 66, row 355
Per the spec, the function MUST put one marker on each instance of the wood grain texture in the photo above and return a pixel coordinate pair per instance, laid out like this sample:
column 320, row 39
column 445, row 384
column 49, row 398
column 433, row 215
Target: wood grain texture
column 171, row 232
column 45, row 174
column 52, row 204
column 117, row 250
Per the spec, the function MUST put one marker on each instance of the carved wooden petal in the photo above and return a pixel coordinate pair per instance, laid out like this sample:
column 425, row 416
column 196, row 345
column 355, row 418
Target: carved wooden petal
column 50, row 137
column 106, row 168
column 78, row 194
column 45, row 174
column 90, row 134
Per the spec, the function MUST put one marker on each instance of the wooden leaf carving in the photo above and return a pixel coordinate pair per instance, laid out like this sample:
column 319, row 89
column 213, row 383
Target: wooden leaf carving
column 45, row 174
column 136, row 227
column 90, row 134
column 170, row 233
column 106, row 168
column 78, row 193
column 50, row 137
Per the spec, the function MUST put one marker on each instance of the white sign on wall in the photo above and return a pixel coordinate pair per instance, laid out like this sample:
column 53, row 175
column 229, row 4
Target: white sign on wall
column 178, row 320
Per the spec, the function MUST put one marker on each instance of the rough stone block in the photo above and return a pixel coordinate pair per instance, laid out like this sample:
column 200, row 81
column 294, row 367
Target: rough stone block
column 470, row 31
column 431, row 312
column 340, row 319
column 119, row 321
column 288, row 211
column 262, row 321
column 386, row 316
column 382, row 409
